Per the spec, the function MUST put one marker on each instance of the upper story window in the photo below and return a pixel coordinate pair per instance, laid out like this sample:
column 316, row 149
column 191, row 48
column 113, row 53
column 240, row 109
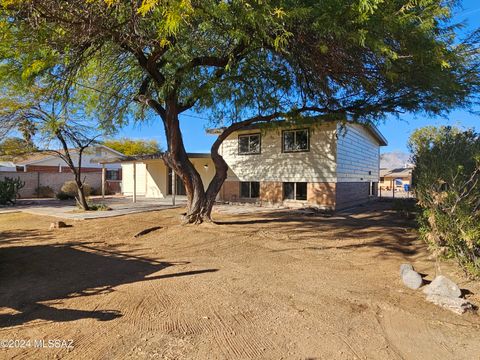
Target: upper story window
column 249, row 144
column 296, row 140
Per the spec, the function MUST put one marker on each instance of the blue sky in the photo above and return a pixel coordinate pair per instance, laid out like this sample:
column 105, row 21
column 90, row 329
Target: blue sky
column 395, row 130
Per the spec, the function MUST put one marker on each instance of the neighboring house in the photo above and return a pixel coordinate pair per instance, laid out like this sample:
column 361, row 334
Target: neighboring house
column 43, row 169
column 50, row 162
column 399, row 179
column 7, row 166
column 330, row 166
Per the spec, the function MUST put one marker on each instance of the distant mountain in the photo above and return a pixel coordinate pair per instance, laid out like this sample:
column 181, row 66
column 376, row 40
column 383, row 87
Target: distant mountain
column 394, row 159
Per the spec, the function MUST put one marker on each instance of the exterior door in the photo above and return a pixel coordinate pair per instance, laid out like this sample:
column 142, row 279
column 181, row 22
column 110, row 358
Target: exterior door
column 179, row 186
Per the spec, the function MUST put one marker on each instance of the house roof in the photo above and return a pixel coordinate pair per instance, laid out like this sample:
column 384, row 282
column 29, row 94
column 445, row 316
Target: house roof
column 156, row 156
column 40, row 156
column 398, row 172
column 369, row 126
column 8, row 164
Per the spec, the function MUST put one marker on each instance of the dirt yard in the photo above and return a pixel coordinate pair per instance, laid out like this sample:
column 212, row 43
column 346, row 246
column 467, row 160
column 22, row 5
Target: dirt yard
column 273, row 285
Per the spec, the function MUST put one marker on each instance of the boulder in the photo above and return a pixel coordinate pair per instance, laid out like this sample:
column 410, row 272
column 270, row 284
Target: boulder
column 412, row 279
column 57, row 225
column 443, row 286
column 457, row 305
column 405, row 267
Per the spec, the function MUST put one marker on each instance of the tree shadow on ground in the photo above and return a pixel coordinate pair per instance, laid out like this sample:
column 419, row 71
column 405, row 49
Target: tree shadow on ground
column 32, row 275
column 371, row 226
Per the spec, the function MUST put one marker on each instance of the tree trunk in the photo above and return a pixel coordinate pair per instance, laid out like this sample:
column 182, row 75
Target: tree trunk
column 177, row 158
column 200, row 202
column 81, row 198
column 215, row 185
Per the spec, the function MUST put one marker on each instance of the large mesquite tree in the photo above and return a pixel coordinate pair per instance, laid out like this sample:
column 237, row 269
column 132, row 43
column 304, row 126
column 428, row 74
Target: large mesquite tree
column 244, row 62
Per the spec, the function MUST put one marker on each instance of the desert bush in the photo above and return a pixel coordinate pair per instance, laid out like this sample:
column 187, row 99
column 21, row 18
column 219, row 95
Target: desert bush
column 9, row 189
column 44, row 192
column 64, row 196
column 96, row 207
column 70, row 188
column 446, row 182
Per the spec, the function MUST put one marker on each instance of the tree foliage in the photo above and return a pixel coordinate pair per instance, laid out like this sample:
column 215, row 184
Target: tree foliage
column 13, row 146
column 243, row 62
column 446, row 180
column 132, row 147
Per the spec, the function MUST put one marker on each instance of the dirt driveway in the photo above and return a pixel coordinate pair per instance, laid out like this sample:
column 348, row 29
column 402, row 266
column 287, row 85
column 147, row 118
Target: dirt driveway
column 267, row 286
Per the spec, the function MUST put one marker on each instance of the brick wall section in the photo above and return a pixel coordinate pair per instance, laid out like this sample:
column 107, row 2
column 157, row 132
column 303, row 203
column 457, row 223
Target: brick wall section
column 230, row 191
column 271, row 192
column 54, row 180
column 351, row 193
column 54, row 169
column 322, row 194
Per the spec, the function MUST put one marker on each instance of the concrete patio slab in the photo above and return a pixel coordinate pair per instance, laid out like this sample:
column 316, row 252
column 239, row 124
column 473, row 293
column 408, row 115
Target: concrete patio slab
column 67, row 209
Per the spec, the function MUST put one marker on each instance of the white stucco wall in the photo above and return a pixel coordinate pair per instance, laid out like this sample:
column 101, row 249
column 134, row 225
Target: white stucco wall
column 152, row 176
column 358, row 153
column 316, row 165
column 127, row 178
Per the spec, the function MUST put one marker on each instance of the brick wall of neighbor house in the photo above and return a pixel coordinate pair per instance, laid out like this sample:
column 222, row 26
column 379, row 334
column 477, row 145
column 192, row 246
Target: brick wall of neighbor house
column 271, row 192
column 56, row 169
column 54, row 180
column 351, row 193
column 322, row 194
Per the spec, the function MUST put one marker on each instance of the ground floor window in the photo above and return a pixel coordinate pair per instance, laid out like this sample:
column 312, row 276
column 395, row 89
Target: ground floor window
column 373, row 188
column 295, row 191
column 112, row 175
column 249, row 189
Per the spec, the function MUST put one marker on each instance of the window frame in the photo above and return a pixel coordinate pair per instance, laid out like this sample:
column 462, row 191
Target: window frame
column 248, row 136
column 295, row 190
column 110, row 171
column 249, row 190
column 295, row 138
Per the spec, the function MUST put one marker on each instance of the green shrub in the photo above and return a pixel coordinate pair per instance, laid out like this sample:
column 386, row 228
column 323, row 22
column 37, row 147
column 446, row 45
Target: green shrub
column 9, row 189
column 44, row 192
column 96, row 207
column 446, row 182
column 64, row 196
column 70, row 188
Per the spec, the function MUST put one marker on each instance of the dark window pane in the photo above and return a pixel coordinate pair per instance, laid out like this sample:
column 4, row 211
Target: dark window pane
column 301, row 140
column 301, row 191
column 111, row 175
column 254, row 189
column 243, row 145
column 244, row 189
column 288, row 141
column 288, row 191
column 181, row 190
column 255, row 144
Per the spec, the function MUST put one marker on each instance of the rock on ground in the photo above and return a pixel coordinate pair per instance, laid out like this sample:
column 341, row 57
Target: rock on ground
column 457, row 305
column 405, row 267
column 443, row 286
column 57, row 225
column 412, row 279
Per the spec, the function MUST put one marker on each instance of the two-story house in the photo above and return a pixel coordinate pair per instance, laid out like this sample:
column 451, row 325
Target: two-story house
column 332, row 166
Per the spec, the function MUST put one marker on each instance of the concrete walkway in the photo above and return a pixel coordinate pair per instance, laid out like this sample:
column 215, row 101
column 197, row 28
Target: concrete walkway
column 68, row 210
